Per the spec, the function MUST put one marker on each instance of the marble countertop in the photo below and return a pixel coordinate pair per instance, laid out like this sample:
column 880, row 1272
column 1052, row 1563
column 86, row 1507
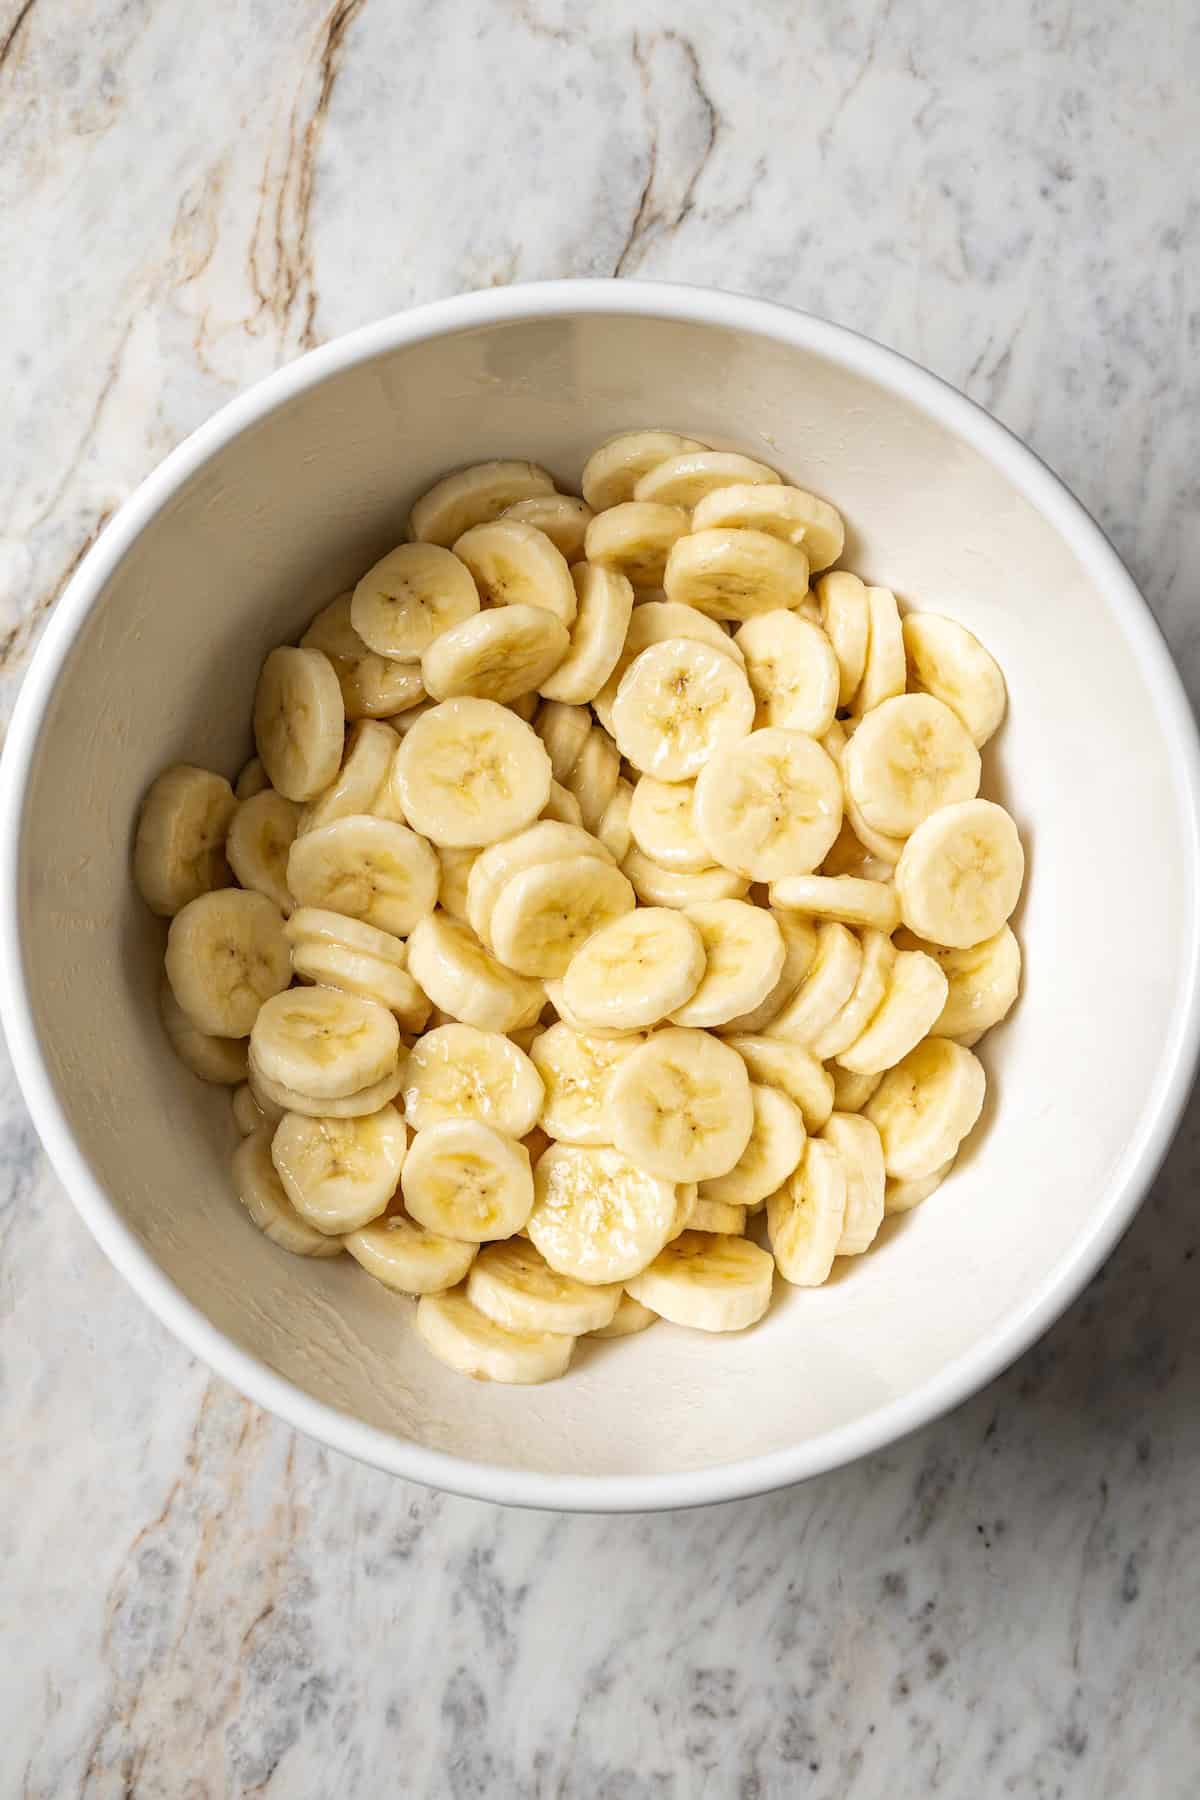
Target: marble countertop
column 194, row 1601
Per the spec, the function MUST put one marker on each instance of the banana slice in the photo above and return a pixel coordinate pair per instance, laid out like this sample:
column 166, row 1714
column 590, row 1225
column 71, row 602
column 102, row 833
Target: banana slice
column 324, row 1044
column 371, row 977
column 460, row 1336
column 372, row 686
column 925, row 1107
column 877, row 844
column 984, row 982
column 663, row 827
column 799, row 948
column 630, row 1317
column 960, row 874
column 312, row 924
column 635, row 971
column 597, row 635
column 735, row 574
column 886, row 671
column 248, row 1115
column 339, row 1174
column 217, row 1059
column 251, row 781
column 848, row 898
column 908, row 757
column 275, row 1097
column 685, row 478
column 367, row 868
column 681, row 1106
column 687, row 1193
column 656, row 886
column 564, row 731
column 948, row 661
column 474, row 496
column 679, row 703
column 562, row 517
column 790, row 1068
column 549, row 841
column 770, row 805
column 710, row 1283
column 872, row 985
column 654, row 622
column 792, row 670
column 458, row 1072
column 916, row 994
column 560, row 1010
column 470, row 773
column 846, row 622
column 515, row 564
column 410, row 597
column 611, row 473
column 785, row 512
column 902, row 1196
column 825, row 990
column 299, row 722
column 463, row 1179
column 544, row 915
column 366, row 762
column 562, row 807
column 455, row 865
column 634, row 540
column 179, row 850
column 849, row 856
column 575, row 1069
column 514, row 1285
column 226, row 954
column 614, row 830
column 449, row 963
column 270, row 1112
column 593, row 780
column 806, row 1214
column 851, row 1091
column 498, row 655
column 598, row 1217
column 405, row 1257
column 525, row 705
column 260, row 837
column 774, row 1149
column 744, row 957
column 857, row 1143
column 261, row 1192
column 717, row 1218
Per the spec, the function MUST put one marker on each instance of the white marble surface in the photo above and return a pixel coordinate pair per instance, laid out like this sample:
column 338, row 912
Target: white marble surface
column 193, row 1601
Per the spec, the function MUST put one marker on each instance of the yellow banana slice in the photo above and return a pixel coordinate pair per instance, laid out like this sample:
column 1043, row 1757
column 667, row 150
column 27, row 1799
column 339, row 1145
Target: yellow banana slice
column 984, row 981
column 251, row 781
column 261, row 1192
column 908, row 757
column 513, row 1284
column 877, row 844
column 316, row 925
column 614, row 830
column 366, row 761
column 546, row 842
column 916, row 993
column 562, row 807
column 681, row 1106
column 744, row 957
column 179, row 850
column 277, row 1097
column 611, row 473
column 248, row 1115
column 260, row 837
column 849, row 856
column 799, row 948
column 324, row 1044
column 663, row 827
column 367, row 868
column 635, row 971
column 772, row 1153
column 515, row 564
column 299, row 722
column 848, row 898
column 948, row 661
column 458, row 1072
column 562, row 517
column 474, row 496
column 593, row 780
column 226, row 954
column 825, row 990
column 717, row 1218
column 711, row 1283
column 597, row 636
column 791, row 668
column 656, row 886
column 925, row 1106
column 871, row 987
column 410, row 597
column 405, row 1257
column 460, row 976
column 785, row 512
column 372, row 686
column 960, row 874
column 679, row 703
column 353, row 971
column 463, row 1179
column 545, row 914
column 735, row 574
column 634, row 540
column 564, row 730
column 886, row 671
column 857, row 1143
column 770, row 805
column 654, row 622
column 902, row 1196
column 218, row 1059
column 806, row 1214
column 684, row 479
column 340, row 1173
column 470, row 773
column 497, row 655
column 598, row 1217
column 460, row 1336
column 846, row 621
column 792, row 1069
column 850, row 1090
column 630, row 1317
column 455, row 865
column 575, row 1069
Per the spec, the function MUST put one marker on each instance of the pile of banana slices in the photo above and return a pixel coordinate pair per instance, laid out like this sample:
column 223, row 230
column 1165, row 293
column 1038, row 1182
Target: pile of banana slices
column 608, row 914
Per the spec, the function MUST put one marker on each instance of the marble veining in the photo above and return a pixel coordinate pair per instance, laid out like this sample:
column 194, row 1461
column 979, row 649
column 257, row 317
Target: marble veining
column 194, row 1601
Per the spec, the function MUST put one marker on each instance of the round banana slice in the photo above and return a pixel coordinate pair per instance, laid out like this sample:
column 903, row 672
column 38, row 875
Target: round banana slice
column 634, row 540
column 598, row 1217
column 846, row 622
column 367, row 868
column 514, row 1285
column 872, row 843
column 248, row 1115
column 408, row 598
column 857, row 1143
column 271, row 1112
column 314, row 924
column 474, row 496
column 217, row 1059
column 916, row 993
column 562, row 517
column 466, row 1180
column 654, row 622
column 455, row 865
column 251, row 781
column 792, row 670
column 681, row 1106
column 498, row 655
column 226, row 954
column 849, row 856
column 984, row 981
column 877, row 962
column 849, row 898
column 515, row 564
column 908, row 757
column 470, row 773
column 261, row 1192
column 179, row 850
column 597, row 635
column 770, row 805
column 712, row 1283
column 339, row 1174
column 960, row 874
column 372, row 686
column 562, row 807
column 593, row 780
column 544, row 915
column 775, row 1146
column 925, row 1107
column 684, row 479
column 662, row 824
column 679, row 703
column 575, row 1069
column 460, row 976
column 902, row 1196
column 635, row 971
column 735, row 574
column 548, row 841
column 948, row 661
column 324, row 1044
column 792, row 1069
column 744, row 956
column 805, row 1216
column 656, row 886
column 276, row 1097
column 354, row 972
column 611, row 473
column 851, row 1091
column 366, row 761
column 260, row 837
column 564, row 731
column 834, row 741
column 458, row 1072
column 405, row 1257
column 614, row 831
column 299, row 722
column 799, row 948
column 886, row 671
column 630, row 1317
column 717, row 1218
column 785, row 512
column 460, row 1336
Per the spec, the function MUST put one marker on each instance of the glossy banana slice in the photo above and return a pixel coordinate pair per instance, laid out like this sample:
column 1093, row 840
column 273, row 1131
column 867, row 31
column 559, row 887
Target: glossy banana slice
column 544, row 915
column 663, row 826
column 498, row 655
column 366, row 763
column 984, row 981
column 684, row 479
column 410, row 597
column 460, row 1336
column 805, row 1216
column 456, row 866
column 718, row 1218
column 460, row 976
column 857, row 1143
column 959, row 876
column 614, row 830
column 405, row 1257
column 902, row 1196
column 260, row 837
column 886, row 671
column 681, row 1106
column 792, row 670
column 598, row 1217
column 299, row 722
column 925, row 1107
column 792, row 1069
column 871, row 987
column 217, row 1059
column 459, row 1072
column 634, row 540
column 850, row 1091
column 948, row 661
column 744, row 957
column 848, row 898
column 593, row 780
column 340, row 1173
column 656, row 886
column 785, row 512
column 635, row 971
column 916, row 993
column 799, row 948
column 771, row 1156
column 877, row 845
column 630, row 1317
column 597, row 635
column 313, row 924
column 711, row 1283
column 908, row 757
column 251, row 781
column 513, row 1284
column 846, row 622
column 179, row 850
column 470, row 773
column 474, row 496
column 564, row 730
column 654, row 622
column 276, row 1097
column 613, row 471
column 735, row 574
column 679, row 702
column 324, row 1044
column 226, row 955
column 769, row 805
column 562, row 807
column 515, row 564
column 261, row 1192
column 548, row 841
column 575, row 1069
column 353, row 971
column 825, row 990
column 562, row 517
column 372, row 686
column 369, row 869
column 465, row 1180
column 248, row 1115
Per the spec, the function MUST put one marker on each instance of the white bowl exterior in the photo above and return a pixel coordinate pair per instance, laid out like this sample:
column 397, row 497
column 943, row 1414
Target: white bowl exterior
column 273, row 509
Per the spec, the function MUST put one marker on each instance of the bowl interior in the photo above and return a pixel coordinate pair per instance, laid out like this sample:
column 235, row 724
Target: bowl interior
column 290, row 511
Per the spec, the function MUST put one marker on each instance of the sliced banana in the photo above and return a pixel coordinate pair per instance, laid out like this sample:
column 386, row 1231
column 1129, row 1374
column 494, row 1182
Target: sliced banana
column 455, row 865
column 792, row 670
column 562, row 517
column 886, row 671
column 960, row 874
column 545, row 914
column 735, row 574
column 792, row 1069
column 474, row 496
column 405, row 1257
column 270, row 1112
column 248, row 1115
column 614, row 830
column 314, row 924
column 925, row 1106
column 217, row 1059
column 635, row 971
column 825, row 990
column 799, row 948
column 562, row 807
column 593, row 780
column 916, row 993
column 277, row 1097
column 681, row 1106
column 630, row 1317
column 834, row 741
column 339, row 1174
column 851, row 1091
column 559, row 1009
column 876, row 844
column 717, row 1217
column 846, row 621
column 353, row 971
column 299, row 722
column 260, row 837
column 408, row 598
column 850, row 856
column 251, row 781
column 774, row 1149
column 179, row 850
column 324, row 1044
column 902, row 1196
column 564, row 730
column 654, row 622
column 226, row 955
column 663, row 827
column 985, row 980
column 806, row 1214
column 460, row 976
column 871, row 987
column 611, row 473
column 497, row 655
column 597, row 1216
column 711, row 1283
column 908, row 757
column 634, row 539
column 575, row 1069
column 548, row 841
column 785, row 512
column 513, row 1284
column 460, row 1336
column 848, row 898
column 367, row 868
column 463, row 1179
column 366, row 761
column 261, row 1192
column 656, row 886
column 948, row 661
column 744, row 956
column 597, row 635
column 372, row 686
column 685, row 478
column 857, row 1143
column 470, row 773
column 515, row 564
column 770, row 805
column 679, row 703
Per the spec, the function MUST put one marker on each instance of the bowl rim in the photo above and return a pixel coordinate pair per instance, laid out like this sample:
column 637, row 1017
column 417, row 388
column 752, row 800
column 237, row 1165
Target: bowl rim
column 374, row 1445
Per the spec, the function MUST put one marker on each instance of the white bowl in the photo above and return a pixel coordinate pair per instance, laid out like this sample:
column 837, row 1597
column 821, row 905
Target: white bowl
column 276, row 505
